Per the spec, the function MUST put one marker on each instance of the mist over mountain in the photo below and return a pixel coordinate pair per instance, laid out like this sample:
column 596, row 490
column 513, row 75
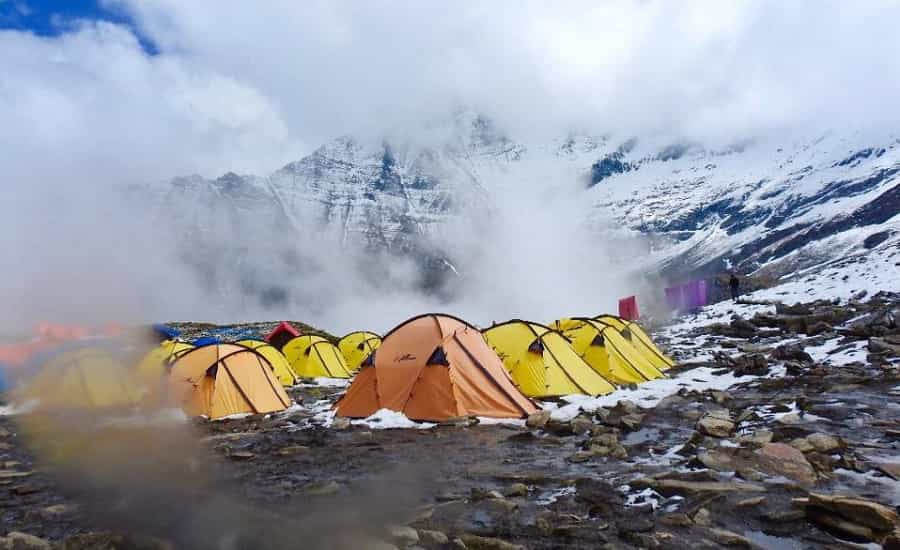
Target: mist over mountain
column 463, row 218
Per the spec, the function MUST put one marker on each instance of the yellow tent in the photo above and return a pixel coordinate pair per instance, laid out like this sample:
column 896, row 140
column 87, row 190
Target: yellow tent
column 541, row 361
column 315, row 357
column 84, row 377
column 225, row 379
column 357, row 346
column 639, row 339
column 279, row 362
column 608, row 352
column 155, row 365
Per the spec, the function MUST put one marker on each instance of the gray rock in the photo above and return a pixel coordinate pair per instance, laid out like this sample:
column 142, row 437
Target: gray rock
column 581, row 425
column 403, row 535
column 433, row 537
column 16, row 540
column 516, row 490
column 791, row 352
column 782, row 459
column 475, row 542
column 873, row 515
column 716, row 425
column 824, row 443
column 728, row 538
column 538, row 419
column 759, row 437
column 340, row 423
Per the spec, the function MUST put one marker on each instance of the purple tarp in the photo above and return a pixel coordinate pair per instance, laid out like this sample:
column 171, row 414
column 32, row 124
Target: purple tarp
column 687, row 296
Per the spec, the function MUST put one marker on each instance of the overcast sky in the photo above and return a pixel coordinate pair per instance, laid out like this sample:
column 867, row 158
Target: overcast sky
column 156, row 88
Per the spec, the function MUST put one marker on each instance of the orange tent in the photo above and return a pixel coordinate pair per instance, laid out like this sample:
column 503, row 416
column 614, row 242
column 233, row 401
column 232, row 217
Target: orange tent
column 226, row 379
column 435, row 367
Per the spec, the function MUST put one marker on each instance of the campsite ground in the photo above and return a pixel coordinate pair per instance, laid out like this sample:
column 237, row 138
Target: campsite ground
column 773, row 411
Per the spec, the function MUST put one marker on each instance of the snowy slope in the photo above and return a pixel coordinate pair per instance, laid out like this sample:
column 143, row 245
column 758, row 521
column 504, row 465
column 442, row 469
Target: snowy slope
column 784, row 205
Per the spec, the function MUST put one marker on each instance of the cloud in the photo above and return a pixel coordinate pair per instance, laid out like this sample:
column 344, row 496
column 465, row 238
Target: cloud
column 700, row 68
column 248, row 87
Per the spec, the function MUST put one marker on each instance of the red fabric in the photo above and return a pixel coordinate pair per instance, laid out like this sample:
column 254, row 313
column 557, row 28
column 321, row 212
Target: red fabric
column 628, row 308
column 284, row 326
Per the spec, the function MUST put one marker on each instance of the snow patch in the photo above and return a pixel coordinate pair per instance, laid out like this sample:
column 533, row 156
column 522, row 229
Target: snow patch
column 550, row 497
column 648, row 394
column 385, row 419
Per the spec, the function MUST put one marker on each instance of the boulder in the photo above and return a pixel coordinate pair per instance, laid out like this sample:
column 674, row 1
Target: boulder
column 581, row 425
column 538, row 419
column 631, row 422
column 728, row 538
column 824, row 443
column 433, row 537
column 516, row 490
column 340, row 423
column 671, row 487
column 782, row 459
column 753, row 364
column 818, row 328
column 716, row 425
column 743, row 328
column 759, row 437
column 403, row 535
column 882, row 346
column 791, row 352
column 475, row 542
column 16, row 540
column 873, row 515
column 802, row 445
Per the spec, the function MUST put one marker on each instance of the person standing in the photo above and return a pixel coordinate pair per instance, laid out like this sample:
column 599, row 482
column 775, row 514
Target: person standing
column 735, row 285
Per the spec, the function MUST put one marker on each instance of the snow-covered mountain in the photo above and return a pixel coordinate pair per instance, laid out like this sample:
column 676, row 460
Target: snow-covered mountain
column 772, row 205
column 763, row 205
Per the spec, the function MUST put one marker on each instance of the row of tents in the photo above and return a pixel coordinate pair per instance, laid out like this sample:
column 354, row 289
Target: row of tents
column 431, row 367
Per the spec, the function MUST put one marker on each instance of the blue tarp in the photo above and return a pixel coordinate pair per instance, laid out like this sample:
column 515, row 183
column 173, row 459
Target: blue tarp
column 207, row 341
column 166, row 332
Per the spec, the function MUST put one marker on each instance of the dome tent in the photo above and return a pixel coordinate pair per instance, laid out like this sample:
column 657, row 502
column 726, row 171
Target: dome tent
column 81, row 376
column 542, row 362
column 639, row 339
column 280, row 365
column 315, row 357
column 608, row 352
column 155, row 364
column 435, row 367
column 357, row 346
column 226, row 379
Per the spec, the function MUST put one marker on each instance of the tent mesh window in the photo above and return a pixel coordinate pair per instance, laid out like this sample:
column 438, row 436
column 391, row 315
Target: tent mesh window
column 438, row 357
column 626, row 333
column 598, row 341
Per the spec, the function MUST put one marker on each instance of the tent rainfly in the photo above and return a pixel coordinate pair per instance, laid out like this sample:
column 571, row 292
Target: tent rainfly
column 435, row 367
column 226, row 379
column 542, row 362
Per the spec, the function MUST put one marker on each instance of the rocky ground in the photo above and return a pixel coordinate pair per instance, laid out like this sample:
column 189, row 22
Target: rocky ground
column 800, row 450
